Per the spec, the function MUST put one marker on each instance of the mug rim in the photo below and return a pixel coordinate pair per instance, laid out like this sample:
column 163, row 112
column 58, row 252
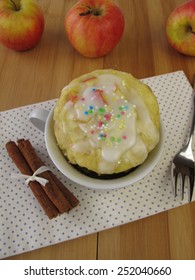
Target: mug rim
column 76, row 176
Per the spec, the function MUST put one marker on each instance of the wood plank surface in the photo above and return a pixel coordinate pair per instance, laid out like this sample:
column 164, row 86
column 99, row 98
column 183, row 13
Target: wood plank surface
column 83, row 248
column 40, row 74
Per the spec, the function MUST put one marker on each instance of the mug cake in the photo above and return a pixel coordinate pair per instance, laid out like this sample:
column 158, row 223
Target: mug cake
column 106, row 123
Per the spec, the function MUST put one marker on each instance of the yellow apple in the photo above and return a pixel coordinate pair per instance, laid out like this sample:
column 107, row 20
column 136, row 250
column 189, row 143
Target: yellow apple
column 180, row 28
column 21, row 24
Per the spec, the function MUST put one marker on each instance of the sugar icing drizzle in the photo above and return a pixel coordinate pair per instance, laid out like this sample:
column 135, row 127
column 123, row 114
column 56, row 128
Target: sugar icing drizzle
column 107, row 119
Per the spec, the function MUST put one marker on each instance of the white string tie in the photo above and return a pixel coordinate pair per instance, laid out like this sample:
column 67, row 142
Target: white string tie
column 33, row 177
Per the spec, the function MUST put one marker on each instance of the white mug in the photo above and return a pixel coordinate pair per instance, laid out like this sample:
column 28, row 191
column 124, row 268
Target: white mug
column 43, row 120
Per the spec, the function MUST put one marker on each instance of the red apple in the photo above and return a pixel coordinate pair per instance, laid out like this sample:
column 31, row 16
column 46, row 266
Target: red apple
column 21, row 24
column 94, row 27
column 180, row 28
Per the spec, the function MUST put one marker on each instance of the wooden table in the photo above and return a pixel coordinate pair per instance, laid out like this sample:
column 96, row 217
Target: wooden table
column 41, row 73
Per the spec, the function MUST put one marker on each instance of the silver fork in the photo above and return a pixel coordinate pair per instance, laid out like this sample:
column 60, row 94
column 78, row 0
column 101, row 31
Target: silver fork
column 183, row 166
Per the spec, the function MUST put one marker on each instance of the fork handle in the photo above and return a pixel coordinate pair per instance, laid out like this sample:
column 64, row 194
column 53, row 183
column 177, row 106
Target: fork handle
column 193, row 121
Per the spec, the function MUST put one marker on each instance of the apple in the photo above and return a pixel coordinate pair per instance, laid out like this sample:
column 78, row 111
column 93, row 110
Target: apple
column 21, row 24
column 180, row 28
column 94, row 27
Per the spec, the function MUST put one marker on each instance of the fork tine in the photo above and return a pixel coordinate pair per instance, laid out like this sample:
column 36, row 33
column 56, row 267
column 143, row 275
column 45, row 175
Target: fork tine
column 173, row 180
column 176, row 182
column 190, row 188
column 183, row 177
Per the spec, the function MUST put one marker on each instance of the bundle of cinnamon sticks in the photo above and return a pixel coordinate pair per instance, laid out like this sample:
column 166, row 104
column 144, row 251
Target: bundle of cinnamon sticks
column 54, row 197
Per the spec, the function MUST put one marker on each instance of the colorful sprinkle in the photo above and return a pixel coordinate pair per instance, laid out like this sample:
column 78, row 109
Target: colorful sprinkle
column 121, row 126
column 90, row 110
column 102, row 110
column 100, row 124
column 107, row 116
column 103, row 136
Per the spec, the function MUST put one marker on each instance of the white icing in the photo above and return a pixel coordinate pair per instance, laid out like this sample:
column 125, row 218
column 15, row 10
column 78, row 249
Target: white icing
column 81, row 147
column 106, row 119
column 106, row 167
column 68, row 108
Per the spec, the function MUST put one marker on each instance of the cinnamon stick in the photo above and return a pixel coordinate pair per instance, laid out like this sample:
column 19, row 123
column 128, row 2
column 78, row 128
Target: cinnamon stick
column 20, row 162
column 71, row 198
column 55, row 190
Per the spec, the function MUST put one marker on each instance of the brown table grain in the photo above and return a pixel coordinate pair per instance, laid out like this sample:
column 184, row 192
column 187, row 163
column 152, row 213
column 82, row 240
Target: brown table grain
column 40, row 74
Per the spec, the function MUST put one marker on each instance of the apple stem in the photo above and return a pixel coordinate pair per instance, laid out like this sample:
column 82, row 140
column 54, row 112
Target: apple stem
column 16, row 8
column 90, row 11
column 191, row 30
column 85, row 13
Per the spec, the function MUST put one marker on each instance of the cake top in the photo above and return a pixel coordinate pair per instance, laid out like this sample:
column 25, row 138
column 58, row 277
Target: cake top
column 109, row 115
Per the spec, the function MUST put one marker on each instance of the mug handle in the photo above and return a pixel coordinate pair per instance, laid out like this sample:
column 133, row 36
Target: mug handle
column 38, row 118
